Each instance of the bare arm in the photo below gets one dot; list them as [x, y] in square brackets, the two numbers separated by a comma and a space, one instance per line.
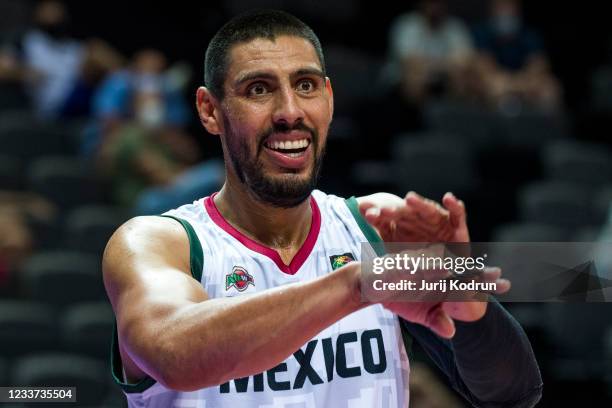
[173, 332]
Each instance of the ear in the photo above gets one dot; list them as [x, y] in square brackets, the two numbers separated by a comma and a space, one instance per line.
[330, 93]
[208, 110]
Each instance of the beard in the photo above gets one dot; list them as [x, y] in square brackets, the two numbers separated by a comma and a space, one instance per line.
[286, 191]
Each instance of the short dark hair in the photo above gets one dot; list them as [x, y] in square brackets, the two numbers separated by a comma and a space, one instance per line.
[267, 24]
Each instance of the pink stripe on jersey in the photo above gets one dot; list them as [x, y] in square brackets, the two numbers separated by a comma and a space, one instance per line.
[299, 258]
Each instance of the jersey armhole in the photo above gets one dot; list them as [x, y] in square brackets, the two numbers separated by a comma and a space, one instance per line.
[196, 263]
[378, 245]
[196, 255]
[371, 235]
[117, 370]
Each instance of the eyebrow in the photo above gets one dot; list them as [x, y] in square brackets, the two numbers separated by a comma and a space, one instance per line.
[249, 76]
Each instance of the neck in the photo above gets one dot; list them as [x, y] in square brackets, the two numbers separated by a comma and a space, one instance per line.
[283, 229]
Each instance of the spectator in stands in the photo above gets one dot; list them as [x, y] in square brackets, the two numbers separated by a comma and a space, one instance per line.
[432, 50]
[18, 239]
[140, 139]
[58, 70]
[512, 61]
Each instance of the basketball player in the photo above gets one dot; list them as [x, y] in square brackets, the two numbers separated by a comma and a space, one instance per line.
[249, 297]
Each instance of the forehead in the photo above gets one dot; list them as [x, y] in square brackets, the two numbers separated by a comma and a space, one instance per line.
[283, 54]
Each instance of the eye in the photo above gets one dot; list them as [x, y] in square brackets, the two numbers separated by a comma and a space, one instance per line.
[306, 85]
[258, 89]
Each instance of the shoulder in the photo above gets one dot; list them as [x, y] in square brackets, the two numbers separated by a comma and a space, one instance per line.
[328, 201]
[148, 229]
[337, 209]
[146, 240]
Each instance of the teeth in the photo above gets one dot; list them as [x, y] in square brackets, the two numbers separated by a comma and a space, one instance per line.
[285, 145]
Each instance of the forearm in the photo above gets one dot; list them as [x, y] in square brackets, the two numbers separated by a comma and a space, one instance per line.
[496, 361]
[490, 361]
[221, 339]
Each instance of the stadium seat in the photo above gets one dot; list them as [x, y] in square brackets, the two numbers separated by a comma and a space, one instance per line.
[602, 204]
[24, 136]
[372, 173]
[88, 375]
[530, 129]
[115, 398]
[469, 124]
[3, 371]
[87, 329]
[432, 167]
[354, 73]
[335, 13]
[65, 181]
[586, 234]
[508, 252]
[529, 232]
[62, 278]
[579, 329]
[556, 203]
[12, 96]
[88, 228]
[11, 173]
[234, 7]
[26, 327]
[600, 85]
[576, 162]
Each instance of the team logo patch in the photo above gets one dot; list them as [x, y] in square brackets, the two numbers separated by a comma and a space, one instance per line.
[239, 279]
[338, 261]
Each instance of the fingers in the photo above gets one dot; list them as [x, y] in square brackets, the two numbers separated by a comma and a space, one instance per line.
[376, 215]
[487, 275]
[434, 218]
[493, 274]
[371, 214]
[502, 286]
[428, 209]
[419, 219]
[364, 206]
[455, 207]
[440, 322]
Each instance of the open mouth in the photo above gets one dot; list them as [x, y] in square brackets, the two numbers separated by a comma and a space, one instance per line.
[290, 148]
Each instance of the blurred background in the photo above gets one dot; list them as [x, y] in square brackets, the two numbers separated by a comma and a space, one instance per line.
[506, 103]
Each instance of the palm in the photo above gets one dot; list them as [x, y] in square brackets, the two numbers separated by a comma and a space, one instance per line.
[416, 219]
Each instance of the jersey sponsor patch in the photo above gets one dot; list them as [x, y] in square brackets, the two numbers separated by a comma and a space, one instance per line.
[338, 261]
[239, 278]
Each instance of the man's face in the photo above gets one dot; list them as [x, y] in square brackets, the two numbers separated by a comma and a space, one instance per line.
[276, 113]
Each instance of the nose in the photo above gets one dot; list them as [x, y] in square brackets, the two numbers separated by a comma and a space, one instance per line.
[288, 110]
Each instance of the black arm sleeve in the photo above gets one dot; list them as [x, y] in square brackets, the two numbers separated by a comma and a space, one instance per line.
[490, 362]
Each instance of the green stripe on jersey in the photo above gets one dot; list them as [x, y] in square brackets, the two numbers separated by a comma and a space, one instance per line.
[196, 256]
[117, 370]
[369, 232]
[379, 247]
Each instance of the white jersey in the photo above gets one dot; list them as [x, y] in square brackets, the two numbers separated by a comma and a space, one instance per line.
[358, 362]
